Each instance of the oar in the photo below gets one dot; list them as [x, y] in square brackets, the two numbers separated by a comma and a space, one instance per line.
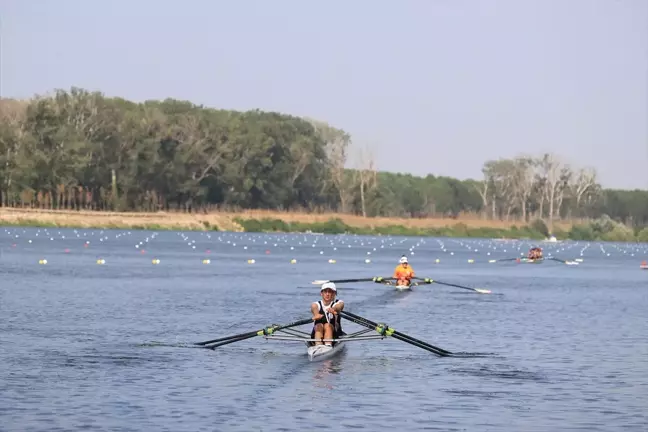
[564, 261]
[371, 279]
[430, 281]
[385, 330]
[242, 335]
[502, 260]
[265, 331]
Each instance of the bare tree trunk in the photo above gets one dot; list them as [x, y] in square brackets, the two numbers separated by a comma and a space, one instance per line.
[368, 179]
[524, 211]
[337, 142]
[483, 193]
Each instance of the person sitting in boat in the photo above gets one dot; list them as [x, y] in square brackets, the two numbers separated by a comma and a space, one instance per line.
[535, 253]
[326, 315]
[403, 273]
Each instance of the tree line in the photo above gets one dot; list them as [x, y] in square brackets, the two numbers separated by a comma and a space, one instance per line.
[75, 149]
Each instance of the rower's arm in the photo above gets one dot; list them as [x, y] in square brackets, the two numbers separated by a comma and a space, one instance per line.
[315, 311]
[396, 272]
[339, 306]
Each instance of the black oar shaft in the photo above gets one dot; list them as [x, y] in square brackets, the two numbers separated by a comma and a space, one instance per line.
[430, 281]
[394, 332]
[247, 335]
[352, 280]
[232, 340]
[252, 333]
[370, 279]
[426, 346]
[388, 331]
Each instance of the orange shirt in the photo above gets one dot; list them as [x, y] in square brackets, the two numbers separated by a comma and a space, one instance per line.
[403, 272]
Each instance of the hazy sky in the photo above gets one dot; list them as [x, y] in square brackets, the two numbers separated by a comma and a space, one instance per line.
[432, 86]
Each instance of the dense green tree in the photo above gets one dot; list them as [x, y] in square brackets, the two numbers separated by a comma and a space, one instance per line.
[75, 149]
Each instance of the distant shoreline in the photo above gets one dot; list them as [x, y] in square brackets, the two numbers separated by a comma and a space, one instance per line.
[264, 221]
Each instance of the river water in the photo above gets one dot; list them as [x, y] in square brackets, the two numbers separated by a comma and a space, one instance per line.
[87, 346]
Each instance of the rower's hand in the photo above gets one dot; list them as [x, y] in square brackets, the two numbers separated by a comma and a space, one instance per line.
[332, 311]
[318, 316]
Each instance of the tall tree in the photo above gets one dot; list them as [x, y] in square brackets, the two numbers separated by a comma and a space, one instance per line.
[368, 179]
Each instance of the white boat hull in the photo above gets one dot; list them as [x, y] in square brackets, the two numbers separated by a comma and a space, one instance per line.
[322, 352]
[402, 287]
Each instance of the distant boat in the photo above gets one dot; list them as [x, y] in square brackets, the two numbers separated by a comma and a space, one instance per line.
[551, 239]
[644, 265]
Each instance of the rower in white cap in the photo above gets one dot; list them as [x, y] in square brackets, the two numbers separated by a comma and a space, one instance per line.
[403, 273]
[326, 315]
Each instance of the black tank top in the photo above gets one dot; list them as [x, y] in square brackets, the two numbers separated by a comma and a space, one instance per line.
[329, 317]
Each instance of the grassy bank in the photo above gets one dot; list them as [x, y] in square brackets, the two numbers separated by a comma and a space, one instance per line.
[338, 226]
[329, 223]
[118, 220]
[268, 221]
[603, 228]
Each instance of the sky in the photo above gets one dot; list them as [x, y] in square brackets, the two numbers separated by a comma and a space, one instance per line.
[429, 87]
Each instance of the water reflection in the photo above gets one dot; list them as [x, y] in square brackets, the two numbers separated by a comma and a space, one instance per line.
[326, 371]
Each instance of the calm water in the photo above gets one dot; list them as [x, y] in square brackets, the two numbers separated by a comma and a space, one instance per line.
[106, 347]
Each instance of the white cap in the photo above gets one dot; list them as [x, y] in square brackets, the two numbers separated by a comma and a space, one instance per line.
[403, 259]
[328, 285]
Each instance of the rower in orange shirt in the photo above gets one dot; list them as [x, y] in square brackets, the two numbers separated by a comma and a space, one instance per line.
[403, 273]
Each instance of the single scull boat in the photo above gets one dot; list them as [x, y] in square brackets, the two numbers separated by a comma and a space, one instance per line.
[315, 352]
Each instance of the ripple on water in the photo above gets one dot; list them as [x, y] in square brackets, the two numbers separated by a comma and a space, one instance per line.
[109, 347]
